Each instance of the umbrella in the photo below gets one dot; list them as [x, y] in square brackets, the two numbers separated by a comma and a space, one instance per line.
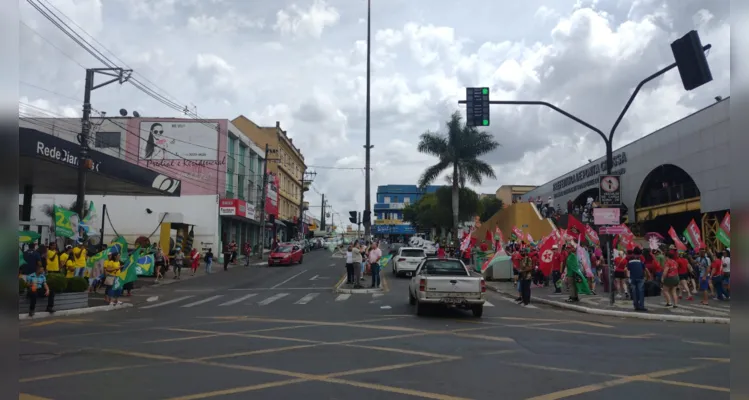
[654, 235]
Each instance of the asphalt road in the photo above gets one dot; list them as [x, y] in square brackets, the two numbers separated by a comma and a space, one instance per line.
[281, 332]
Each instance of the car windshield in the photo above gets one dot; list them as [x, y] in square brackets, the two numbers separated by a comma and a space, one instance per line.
[412, 253]
[283, 249]
[444, 267]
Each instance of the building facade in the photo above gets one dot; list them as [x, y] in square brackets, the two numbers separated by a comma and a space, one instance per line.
[209, 162]
[388, 209]
[286, 169]
[681, 168]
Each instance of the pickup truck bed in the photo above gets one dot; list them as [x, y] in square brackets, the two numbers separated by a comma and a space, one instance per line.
[464, 291]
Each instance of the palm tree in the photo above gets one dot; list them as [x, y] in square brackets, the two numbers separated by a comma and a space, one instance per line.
[460, 150]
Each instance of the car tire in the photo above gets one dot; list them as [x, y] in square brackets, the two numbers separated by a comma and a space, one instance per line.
[411, 298]
[420, 308]
[395, 271]
[478, 311]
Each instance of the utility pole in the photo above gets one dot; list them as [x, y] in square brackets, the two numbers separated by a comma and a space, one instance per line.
[84, 163]
[322, 214]
[307, 178]
[262, 204]
[367, 146]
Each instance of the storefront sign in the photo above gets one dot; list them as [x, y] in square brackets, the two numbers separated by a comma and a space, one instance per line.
[587, 176]
[227, 211]
[397, 206]
[236, 208]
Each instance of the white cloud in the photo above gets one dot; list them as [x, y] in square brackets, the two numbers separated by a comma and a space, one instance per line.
[311, 22]
[584, 56]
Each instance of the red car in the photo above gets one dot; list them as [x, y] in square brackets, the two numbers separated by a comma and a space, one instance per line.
[286, 254]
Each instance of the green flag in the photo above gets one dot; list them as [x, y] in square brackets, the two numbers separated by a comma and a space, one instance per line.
[102, 255]
[28, 236]
[723, 237]
[128, 271]
[21, 261]
[119, 245]
[63, 223]
[91, 213]
[573, 270]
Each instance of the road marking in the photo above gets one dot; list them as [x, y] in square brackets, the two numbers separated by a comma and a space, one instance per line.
[289, 279]
[316, 277]
[307, 298]
[178, 299]
[376, 295]
[235, 301]
[272, 299]
[343, 297]
[26, 396]
[285, 288]
[513, 301]
[721, 360]
[487, 304]
[57, 321]
[332, 265]
[700, 343]
[199, 302]
[84, 372]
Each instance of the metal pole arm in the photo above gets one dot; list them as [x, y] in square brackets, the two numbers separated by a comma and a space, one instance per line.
[637, 90]
[553, 107]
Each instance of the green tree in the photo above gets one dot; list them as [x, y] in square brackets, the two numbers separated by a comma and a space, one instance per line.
[468, 203]
[488, 206]
[458, 151]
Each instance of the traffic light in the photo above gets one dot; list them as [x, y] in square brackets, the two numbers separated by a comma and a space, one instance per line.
[691, 60]
[352, 217]
[366, 218]
[477, 106]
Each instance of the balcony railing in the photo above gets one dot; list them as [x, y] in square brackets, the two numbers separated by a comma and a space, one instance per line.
[669, 194]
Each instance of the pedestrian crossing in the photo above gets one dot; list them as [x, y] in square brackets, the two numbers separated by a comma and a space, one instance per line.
[271, 298]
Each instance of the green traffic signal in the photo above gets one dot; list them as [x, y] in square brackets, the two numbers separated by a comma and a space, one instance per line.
[485, 91]
[486, 122]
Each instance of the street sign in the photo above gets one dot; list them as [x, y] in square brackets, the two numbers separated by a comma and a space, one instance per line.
[610, 190]
[606, 216]
[477, 106]
[612, 230]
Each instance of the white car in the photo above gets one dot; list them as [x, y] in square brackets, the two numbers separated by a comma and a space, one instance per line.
[429, 248]
[406, 260]
[446, 282]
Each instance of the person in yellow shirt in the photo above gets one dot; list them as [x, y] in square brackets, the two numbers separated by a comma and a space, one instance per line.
[79, 258]
[112, 269]
[53, 259]
[67, 262]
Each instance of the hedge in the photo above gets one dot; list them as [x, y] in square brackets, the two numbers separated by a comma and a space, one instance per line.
[59, 284]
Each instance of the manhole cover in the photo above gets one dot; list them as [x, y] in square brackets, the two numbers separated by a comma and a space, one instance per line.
[38, 356]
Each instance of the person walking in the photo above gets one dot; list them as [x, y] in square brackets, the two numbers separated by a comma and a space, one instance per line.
[112, 269]
[637, 274]
[525, 277]
[716, 273]
[571, 272]
[194, 260]
[209, 261]
[556, 268]
[670, 280]
[160, 264]
[179, 262]
[227, 252]
[356, 260]
[703, 263]
[374, 263]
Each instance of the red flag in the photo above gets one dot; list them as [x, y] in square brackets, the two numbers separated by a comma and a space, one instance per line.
[489, 237]
[694, 235]
[546, 254]
[591, 235]
[575, 227]
[517, 233]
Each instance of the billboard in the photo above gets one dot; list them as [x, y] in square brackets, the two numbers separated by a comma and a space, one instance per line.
[271, 200]
[162, 140]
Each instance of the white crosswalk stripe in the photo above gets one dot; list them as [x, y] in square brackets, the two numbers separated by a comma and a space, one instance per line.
[513, 301]
[199, 302]
[343, 297]
[165, 303]
[239, 300]
[307, 298]
[487, 304]
[272, 299]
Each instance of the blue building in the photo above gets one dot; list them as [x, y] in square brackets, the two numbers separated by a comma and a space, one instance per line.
[388, 209]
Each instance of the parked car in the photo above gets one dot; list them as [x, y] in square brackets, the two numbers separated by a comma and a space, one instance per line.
[286, 254]
[406, 260]
[446, 282]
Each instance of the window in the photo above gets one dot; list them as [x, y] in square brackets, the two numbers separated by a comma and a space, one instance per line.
[395, 199]
[413, 253]
[407, 200]
[107, 140]
[444, 267]
[387, 200]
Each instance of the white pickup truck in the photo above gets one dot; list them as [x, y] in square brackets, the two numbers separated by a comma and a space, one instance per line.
[446, 282]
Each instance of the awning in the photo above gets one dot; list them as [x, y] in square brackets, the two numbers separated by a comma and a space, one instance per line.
[50, 164]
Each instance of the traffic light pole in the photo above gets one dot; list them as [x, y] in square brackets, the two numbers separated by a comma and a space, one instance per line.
[262, 205]
[367, 146]
[608, 140]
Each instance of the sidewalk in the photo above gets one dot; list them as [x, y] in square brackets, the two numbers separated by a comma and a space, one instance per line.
[717, 312]
[150, 281]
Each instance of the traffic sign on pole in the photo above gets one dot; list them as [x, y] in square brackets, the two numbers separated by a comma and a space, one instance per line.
[477, 106]
[610, 190]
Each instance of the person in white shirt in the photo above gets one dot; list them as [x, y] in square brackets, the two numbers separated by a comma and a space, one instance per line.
[349, 265]
[374, 259]
[356, 264]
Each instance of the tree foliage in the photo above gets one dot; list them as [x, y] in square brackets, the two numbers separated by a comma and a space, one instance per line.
[434, 210]
[457, 151]
[488, 206]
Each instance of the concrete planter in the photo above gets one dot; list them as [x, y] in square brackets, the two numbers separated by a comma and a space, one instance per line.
[63, 302]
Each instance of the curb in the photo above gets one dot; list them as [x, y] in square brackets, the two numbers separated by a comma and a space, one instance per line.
[340, 283]
[76, 311]
[623, 314]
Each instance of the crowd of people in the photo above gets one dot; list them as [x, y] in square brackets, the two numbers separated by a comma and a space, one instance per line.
[363, 258]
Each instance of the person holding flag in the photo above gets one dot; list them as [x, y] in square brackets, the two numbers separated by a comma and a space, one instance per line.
[111, 269]
[577, 281]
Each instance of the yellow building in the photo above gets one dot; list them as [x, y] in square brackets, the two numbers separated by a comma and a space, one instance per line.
[510, 193]
[289, 168]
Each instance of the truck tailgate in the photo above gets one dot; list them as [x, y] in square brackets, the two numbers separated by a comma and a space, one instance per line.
[453, 286]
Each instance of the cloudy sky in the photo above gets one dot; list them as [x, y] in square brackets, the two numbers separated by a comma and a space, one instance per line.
[302, 62]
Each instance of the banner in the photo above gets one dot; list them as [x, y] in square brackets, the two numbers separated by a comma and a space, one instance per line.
[28, 237]
[591, 236]
[677, 242]
[724, 230]
[66, 223]
[693, 235]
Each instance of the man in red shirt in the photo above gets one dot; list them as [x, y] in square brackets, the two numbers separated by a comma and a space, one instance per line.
[716, 273]
[684, 276]
[556, 268]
